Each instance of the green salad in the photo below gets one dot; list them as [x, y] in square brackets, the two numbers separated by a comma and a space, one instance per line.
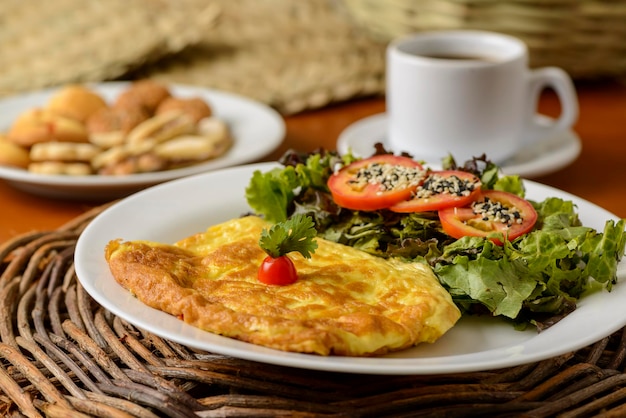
[534, 279]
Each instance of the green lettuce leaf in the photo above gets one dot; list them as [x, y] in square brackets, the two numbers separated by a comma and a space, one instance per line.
[535, 279]
[270, 193]
[511, 184]
[545, 271]
[500, 285]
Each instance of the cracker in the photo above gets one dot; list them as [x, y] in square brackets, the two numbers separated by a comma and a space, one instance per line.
[60, 168]
[63, 151]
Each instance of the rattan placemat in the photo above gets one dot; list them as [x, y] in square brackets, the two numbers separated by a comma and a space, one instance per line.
[62, 355]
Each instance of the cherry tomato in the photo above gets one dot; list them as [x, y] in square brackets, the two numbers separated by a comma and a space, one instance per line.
[471, 221]
[278, 271]
[440, 190]
[375, 183]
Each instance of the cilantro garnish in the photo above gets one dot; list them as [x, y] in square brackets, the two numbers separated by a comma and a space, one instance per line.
[295, 234]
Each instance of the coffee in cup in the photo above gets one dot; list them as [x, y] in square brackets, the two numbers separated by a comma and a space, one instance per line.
[466, 93]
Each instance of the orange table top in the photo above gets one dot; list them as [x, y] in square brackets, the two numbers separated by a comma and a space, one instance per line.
[597, 175]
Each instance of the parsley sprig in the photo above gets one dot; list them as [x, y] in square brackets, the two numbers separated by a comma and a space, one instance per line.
[295, 234]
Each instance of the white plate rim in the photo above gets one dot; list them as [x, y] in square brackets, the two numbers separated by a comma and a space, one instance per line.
[371, 129]
[264, 132]
[598, 314]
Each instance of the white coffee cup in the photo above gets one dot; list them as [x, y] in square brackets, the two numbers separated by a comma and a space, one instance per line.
[465, 93]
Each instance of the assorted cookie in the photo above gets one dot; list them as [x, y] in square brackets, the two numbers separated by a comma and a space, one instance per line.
[41, 125]
[13, 155]
[145, 129]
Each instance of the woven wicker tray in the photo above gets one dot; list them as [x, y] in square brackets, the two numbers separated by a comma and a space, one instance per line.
[63, 355]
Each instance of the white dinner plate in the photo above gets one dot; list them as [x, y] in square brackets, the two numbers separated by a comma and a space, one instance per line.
[172, 211]
[257, 130]
[546, 156]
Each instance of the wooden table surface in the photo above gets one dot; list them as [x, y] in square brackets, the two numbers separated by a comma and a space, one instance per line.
[598, 174]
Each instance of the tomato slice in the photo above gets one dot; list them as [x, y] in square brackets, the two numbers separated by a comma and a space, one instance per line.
[440, 190]
[514, 216]
[375, 183]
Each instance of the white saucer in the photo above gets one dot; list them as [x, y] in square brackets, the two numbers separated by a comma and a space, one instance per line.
[548, 156]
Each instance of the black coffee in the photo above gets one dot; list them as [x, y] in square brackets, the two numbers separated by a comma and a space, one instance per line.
[461, 57]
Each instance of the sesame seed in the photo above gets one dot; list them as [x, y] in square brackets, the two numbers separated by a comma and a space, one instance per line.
[453, 185]
[497, 212]
[387, 176]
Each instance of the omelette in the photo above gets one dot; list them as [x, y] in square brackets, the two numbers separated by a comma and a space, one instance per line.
[345, 301]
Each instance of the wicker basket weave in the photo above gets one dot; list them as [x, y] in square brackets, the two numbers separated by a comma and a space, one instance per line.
[63, 355]
[587, 38]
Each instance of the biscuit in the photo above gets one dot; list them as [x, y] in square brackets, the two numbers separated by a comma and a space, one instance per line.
[145, 94]
[63, 151]
[146, 129]
[195, 107]
[218, 129]
[162, 127]
[106, 140]
[121, 168]
[134, 164]
[109, 157]
[213, 127]
[187, 148]
[149, 162]
[76, 102]
[12, 154]
[109, 126]
[57, 167]
[212, 140]
[41, 125]
[111, 119]
[119, 153]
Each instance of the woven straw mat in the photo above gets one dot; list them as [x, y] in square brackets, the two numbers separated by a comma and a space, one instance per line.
[584, 37]
[290, 54]
[48, 43]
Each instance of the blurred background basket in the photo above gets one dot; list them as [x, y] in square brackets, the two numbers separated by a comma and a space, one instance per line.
[587, 38]
[293, 55]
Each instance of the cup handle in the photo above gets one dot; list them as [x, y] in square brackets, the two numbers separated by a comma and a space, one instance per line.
[563, 86]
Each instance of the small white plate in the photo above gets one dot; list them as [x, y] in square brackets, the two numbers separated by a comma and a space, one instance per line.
[256, 128]
[548, 156]
[175, 210]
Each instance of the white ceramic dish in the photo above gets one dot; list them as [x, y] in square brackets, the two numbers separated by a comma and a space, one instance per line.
[174, 210]
[547, 156]
[257, 130]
